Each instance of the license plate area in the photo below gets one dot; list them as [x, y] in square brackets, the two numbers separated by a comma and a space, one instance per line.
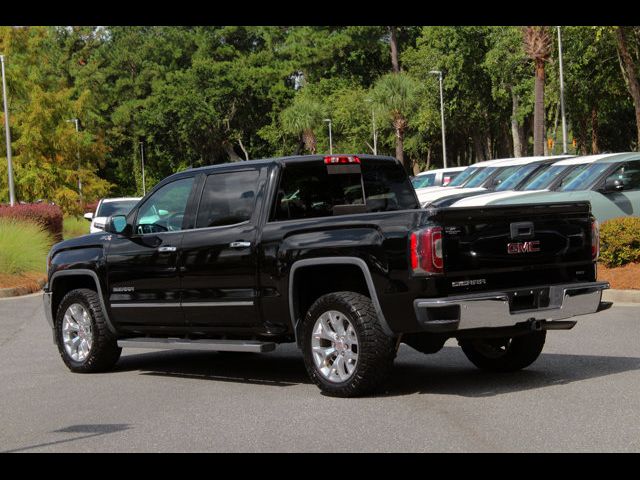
[528, 299]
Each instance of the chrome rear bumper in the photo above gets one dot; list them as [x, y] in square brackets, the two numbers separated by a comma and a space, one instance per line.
[494, 309]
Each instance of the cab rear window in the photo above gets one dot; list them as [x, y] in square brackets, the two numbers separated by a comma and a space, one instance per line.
[308, 190]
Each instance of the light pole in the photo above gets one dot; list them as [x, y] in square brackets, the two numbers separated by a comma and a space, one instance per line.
[564, 118]
[75, 121]
[375, 132]
[444, 143]
[328, 120]
[144, 188]
[12, 193]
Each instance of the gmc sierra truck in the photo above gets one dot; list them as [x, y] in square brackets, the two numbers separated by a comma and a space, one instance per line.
[333, 253]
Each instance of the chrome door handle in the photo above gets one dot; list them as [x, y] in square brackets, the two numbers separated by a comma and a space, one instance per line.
[167, 249]
[240, 244]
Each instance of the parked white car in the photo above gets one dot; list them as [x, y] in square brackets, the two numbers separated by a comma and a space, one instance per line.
[550, 178]
[440, 177]
[107, 207]
[487, 176]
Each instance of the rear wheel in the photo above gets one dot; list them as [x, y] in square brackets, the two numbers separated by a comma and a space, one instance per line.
[346, 352]
[506, 354]
[84, 341]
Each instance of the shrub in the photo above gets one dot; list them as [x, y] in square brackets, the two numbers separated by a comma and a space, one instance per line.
[23, 247]
[620, 241]
[74, 227]
[48, 216]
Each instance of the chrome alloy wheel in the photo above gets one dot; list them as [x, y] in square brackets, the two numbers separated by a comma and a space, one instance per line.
[334, 346]
[76, 332]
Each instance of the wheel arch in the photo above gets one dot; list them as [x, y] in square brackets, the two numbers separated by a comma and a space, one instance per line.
[64, 281]
[363, 284]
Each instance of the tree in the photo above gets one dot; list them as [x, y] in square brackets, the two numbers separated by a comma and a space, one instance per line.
[537, 45]
[396, 93]
[302, 118]
[630, 64]
[511, 84]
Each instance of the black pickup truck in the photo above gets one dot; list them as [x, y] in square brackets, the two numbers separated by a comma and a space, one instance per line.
[333, 253]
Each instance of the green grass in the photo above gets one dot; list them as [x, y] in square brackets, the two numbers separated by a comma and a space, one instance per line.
[23, 247]
[74, 227]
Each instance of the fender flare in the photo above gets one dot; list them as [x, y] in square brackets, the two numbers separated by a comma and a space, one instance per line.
[336, 261]
[94, 276]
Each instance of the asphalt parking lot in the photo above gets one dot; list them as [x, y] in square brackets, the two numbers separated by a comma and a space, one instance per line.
[583, 394]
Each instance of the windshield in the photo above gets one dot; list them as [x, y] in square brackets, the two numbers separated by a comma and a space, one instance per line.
[464, 176]
[583, 177]
[478, 179]
[422, 181]
[544, 177]
[514, 177]
[122, 207]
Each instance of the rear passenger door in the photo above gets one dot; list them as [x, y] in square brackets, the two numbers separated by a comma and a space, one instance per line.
[218, 266]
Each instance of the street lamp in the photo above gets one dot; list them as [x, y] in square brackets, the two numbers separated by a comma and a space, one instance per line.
[564, 118]
[328, 120]
[12, 193]
[444, 143]
[373, 124]
[75, 120]
[144, 188]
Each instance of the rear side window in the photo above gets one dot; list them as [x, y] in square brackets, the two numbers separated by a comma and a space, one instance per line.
[227, 199]
[307, 190]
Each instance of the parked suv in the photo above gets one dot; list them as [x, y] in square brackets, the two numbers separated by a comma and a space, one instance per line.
[333, 253]
[107, 207]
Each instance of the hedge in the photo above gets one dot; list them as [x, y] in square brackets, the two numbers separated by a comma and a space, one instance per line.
[620, 241]
[48, 216]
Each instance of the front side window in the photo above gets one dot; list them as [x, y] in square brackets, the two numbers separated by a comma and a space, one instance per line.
[478, 179]
[583, 178]
[228, 198]
[509, 179]
[463, 176]
[423, 181]
[543, 178]
[164, 210]
[629, 173]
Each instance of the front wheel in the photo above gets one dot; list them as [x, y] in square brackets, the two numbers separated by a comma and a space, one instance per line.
[84, 341]
[346, 352]
[506, 354]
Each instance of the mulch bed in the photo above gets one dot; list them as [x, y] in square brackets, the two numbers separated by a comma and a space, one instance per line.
[28, 281]
[621, 278]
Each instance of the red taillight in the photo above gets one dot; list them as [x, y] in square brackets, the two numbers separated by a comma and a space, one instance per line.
[595, 239]
[426, 251]
[330, 160]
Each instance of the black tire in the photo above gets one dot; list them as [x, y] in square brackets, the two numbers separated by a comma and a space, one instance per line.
[104, 351]
[504, 354]
[376, 350]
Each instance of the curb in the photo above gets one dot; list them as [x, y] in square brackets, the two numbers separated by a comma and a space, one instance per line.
[23, 290]
[621, 296]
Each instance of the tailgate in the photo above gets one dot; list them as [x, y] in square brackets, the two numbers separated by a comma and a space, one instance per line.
[515, 238]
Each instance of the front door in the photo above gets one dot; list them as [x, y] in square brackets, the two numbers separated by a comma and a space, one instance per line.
[142, 268]
[219, 263]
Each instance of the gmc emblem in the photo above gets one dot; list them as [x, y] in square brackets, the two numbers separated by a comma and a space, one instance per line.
[523, 247]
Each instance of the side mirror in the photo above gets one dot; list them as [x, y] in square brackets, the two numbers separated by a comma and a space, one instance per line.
[88, 216]
[116, 224]
[613, 185]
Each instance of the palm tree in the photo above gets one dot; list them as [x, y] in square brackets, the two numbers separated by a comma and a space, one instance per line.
[537, 46]
[396, 93]
[301, 118]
